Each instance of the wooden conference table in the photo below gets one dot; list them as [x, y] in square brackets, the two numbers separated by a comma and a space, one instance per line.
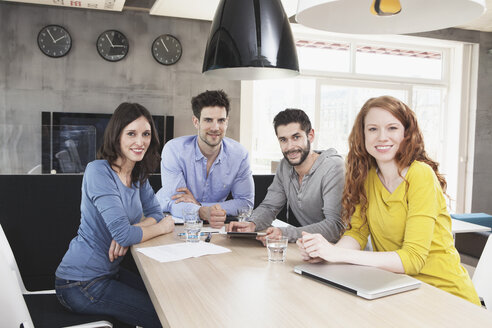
[242, 289]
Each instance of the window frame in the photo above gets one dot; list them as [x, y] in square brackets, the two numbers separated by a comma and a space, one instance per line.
[453, 53]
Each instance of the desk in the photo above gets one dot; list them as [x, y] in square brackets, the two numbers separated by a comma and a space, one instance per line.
[459, 226]
[242, 289]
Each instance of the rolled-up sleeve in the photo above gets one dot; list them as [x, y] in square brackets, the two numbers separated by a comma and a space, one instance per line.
[172, 178]
[242, 189]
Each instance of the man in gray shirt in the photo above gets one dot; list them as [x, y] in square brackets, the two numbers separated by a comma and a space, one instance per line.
[309, 182]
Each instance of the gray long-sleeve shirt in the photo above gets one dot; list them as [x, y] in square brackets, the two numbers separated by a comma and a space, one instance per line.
[316, 202]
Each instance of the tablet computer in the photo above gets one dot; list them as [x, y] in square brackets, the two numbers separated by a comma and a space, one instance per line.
[245, 234]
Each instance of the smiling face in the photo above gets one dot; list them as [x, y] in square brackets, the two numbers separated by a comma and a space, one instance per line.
[135, 140]
[211, 126]
[294, 143]
[383, 135]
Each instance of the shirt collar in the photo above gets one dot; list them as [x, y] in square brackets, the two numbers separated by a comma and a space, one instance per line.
[199, 156]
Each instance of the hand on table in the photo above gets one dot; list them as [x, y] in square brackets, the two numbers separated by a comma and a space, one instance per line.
[315, 248]
[270, 232]
[167, 224]
[214, 214]
[241, 226]
[185, 197]
[116, 250]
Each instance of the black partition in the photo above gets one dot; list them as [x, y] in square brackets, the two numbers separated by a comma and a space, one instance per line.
[71, 140]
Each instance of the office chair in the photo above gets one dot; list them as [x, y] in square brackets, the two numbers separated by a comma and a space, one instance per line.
[69, 159]
[12, 264]
[482, 278]
[34, 309]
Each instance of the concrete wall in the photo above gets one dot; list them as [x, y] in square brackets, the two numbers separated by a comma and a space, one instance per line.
[82, 81]
[30, 82]
[482, 171]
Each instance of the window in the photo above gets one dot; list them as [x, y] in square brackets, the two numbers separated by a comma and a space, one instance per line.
[391, 61]
[338, 76]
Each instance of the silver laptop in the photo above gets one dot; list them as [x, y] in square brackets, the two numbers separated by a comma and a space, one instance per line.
[363, 281]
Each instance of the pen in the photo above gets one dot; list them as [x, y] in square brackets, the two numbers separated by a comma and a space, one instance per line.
[201, 233]
[208, 237]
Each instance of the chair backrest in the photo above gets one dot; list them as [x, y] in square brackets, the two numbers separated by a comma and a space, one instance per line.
[8, 255]
[482, 278]
[13, 308]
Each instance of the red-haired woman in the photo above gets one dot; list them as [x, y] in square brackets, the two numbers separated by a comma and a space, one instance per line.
[394, 193]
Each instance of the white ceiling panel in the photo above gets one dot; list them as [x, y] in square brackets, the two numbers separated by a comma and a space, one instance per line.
[112, 5]
[205, 9]
[201, 9]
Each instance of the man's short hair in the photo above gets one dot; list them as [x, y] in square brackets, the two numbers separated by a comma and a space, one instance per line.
[216, 98]
[292, 115]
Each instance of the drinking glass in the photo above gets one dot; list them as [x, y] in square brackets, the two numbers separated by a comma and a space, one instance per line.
[277, 248]
[244, 213]
[192, 225]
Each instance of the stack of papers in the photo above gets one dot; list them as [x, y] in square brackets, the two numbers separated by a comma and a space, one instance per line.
[181, 251]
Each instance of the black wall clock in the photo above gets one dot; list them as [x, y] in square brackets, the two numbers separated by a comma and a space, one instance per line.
[54, 41]
[166, 49]
[112, 45]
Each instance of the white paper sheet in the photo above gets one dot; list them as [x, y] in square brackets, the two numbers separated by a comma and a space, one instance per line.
[213, 230]
[181, 251]
[280, 224]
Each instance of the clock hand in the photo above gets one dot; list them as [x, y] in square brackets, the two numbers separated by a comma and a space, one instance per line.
[52, 38]
[118, 46]
[167, 50]
[111, 43]
[60, 38]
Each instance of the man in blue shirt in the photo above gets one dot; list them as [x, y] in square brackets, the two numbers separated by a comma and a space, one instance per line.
[200, 171]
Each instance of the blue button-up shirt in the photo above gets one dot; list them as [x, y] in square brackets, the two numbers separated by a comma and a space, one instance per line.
[183, 165]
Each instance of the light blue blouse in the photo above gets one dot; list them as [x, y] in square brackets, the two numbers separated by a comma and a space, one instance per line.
[108, 211]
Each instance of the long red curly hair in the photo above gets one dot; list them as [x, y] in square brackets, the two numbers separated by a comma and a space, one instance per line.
[359, 161]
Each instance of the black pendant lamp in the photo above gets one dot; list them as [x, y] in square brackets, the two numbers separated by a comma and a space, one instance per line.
[250, 40]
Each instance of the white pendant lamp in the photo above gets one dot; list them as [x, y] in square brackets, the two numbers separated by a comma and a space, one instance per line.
[361, 16]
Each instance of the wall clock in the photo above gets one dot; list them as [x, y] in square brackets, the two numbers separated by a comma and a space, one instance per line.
[166, 49]
[54, 41]
[112, 45]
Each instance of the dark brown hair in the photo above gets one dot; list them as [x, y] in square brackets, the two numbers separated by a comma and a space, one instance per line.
[110, 149]
[359, 161]
[217, 98]
[292, 115]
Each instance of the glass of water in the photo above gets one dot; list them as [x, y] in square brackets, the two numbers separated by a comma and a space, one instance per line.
[244, 213]
[192, 225]
[277, 248]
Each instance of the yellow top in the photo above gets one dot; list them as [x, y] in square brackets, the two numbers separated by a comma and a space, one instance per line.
[414, 222]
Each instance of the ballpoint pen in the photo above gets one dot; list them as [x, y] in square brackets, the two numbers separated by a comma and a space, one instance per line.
[209, 237]
[201, 233]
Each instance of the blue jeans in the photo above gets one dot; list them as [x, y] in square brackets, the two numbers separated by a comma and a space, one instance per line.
[122, 296]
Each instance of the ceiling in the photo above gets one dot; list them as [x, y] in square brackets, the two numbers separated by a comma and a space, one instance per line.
[205, 9]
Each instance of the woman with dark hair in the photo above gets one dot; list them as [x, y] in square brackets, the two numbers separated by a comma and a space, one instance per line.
[118, 209]
[394, 193]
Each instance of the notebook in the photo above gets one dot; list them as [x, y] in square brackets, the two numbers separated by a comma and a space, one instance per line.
[363, 281]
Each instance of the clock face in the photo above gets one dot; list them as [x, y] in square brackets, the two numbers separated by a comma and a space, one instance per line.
[54, 41]
[166, 49]
[112, 45]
